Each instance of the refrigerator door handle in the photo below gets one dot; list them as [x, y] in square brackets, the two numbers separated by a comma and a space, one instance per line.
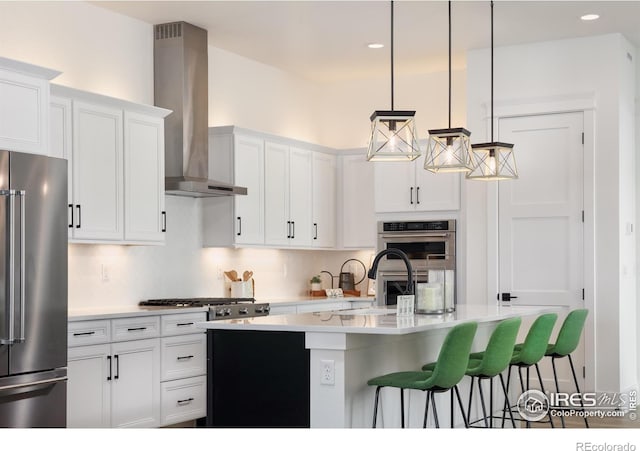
[53, 380]
[10, 315]
[23, 254]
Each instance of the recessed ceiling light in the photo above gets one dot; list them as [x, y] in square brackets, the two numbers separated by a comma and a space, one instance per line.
[590, 17]
[375, 45]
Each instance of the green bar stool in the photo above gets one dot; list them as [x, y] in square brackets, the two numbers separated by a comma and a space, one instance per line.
[491, 363]
[447, 372]
[567, 342]
[529, 353]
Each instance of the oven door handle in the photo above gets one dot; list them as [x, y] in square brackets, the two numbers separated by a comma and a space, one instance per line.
[412, 235]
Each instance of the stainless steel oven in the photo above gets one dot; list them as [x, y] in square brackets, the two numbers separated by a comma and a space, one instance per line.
[431, 248]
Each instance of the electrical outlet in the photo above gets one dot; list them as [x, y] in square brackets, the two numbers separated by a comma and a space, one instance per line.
[219, 273]
[327, 372]
[104, 273]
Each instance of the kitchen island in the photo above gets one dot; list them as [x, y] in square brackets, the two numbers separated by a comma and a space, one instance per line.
[284, 367]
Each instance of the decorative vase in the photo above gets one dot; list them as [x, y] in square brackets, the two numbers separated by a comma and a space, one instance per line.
[316, 287]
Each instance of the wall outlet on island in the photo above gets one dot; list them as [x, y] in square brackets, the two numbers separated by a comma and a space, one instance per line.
[327, 372]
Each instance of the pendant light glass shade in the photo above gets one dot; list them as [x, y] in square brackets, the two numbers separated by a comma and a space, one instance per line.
[493, 161]
[393, 133]
[448, 150]
[393, 136]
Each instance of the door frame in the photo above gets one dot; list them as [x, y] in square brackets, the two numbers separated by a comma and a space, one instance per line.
[586, 104]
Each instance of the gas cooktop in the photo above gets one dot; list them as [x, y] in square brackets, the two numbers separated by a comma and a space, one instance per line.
[195, 302]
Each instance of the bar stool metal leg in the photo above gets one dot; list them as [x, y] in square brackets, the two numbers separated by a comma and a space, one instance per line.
[375, 406]
[555, 379]
[506, 397]
[575, 379]
[464, 417]
[435, 412]
[426, 410]
[402, 407]
[543, 391]
[484, 409]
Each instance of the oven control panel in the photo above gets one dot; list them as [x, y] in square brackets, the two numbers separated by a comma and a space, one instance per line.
[418, 226]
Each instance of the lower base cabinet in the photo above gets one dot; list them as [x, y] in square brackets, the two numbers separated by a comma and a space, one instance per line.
[117, 382]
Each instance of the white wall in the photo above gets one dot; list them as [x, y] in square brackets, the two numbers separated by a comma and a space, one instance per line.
[95, 49]
[552, 70]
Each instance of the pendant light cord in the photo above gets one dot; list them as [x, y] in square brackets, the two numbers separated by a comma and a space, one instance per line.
[492, 71]
[391, 55]
[449, 63]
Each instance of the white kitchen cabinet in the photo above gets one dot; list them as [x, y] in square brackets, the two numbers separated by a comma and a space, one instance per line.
[144, 210]
[408, 187]
[184, 400]
[235, 220]
[115, 151]
[324, 200]
[89, 387]
[97, 172]
[288, 195]
[183, 356]
[24, 106]
[358, 218]
[135, 394]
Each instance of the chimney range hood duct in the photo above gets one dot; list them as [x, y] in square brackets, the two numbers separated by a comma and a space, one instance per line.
[181, 84]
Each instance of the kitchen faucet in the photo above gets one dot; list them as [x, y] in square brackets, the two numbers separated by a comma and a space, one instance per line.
[374, 266]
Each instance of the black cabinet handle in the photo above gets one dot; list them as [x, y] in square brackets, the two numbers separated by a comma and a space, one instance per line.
[110, 372]
[184, 401]
[79, 334]
[315, 226]
[288, 229]
[417, 195]
[79, 216]
[293, 227]
[411, 196]
[164, 221]
[239, 218]
[506, 297]
[71, 208]
[117, 357]
[184, 357]
[184, 324]
[133, 329]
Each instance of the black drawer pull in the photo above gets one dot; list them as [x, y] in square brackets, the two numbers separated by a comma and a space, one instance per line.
[78, 334]
[184, 324]
[184, 401]
[110, 368]
[117, 358]
[185, 357]
[79, 216]
[164, 221]
[71, 208]
[133, 329]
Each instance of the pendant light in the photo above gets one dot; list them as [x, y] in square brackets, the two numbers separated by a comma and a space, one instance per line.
[448, 149]
[393, 133]
[492, 160]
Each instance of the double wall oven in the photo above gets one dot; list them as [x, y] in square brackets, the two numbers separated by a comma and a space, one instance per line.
[431, 248]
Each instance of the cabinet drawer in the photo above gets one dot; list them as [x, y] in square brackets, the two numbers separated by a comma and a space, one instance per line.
[135, 328]
[183, 356]
[82, 333]
[283, 310]
[182, 323]
[183, 400]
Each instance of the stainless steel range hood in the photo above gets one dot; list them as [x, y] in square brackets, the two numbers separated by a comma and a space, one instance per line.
[181, 84]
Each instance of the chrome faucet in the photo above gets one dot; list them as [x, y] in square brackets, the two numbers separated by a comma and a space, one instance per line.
[374, 266]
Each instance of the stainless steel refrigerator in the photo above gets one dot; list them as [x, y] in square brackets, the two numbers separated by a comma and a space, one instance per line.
[33, 290]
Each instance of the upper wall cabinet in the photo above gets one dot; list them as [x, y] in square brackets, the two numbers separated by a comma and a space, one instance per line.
[291, 192]
[236, 158]
[115, 151]
[358, 217]
[24, 106]
[408, 187]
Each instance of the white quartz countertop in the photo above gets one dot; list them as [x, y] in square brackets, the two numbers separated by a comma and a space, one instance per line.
[376, 320]
[108, 312]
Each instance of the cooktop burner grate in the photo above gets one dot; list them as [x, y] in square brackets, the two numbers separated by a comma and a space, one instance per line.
[195, 302]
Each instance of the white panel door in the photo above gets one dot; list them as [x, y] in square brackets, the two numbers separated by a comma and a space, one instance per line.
[89, 388]
[300, 197]
[97, 172]
[144, 178]
[277, 228]
[135, 390]
[540, 214]
[324, 200]
[249, 172]
[394, 189]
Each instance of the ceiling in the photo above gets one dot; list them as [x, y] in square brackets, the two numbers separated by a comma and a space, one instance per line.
[327, 40]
